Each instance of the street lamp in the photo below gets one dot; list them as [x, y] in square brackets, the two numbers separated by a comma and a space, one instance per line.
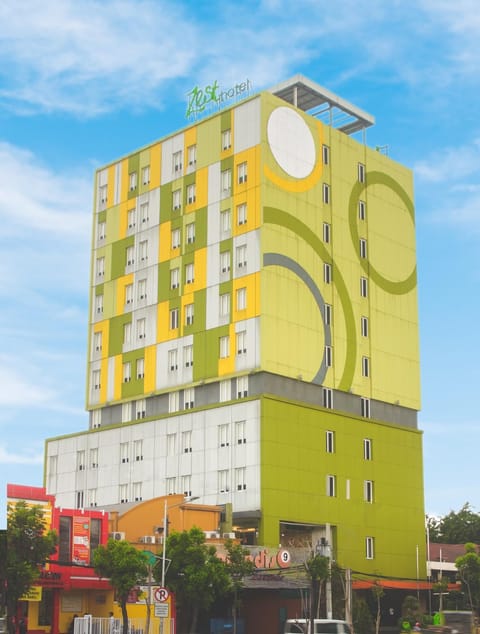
[165, 521]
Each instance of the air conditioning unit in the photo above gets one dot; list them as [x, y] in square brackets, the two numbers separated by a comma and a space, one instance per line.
[211, 534]
[228, 535]
[118, 536]
[148, 539]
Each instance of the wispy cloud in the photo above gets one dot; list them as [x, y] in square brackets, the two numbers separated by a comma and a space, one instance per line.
[7, 456]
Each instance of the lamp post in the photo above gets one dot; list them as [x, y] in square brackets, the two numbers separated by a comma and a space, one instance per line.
[165, 524]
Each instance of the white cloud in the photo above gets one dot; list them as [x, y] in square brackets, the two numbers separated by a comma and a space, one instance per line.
[450, 164]
[7, 456]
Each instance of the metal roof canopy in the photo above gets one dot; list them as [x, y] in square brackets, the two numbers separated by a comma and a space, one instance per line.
[323, 104]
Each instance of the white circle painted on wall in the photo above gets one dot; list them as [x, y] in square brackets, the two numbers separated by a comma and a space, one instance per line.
[291, 142]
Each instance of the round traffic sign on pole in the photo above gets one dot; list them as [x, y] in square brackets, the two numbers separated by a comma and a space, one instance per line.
[161, 595]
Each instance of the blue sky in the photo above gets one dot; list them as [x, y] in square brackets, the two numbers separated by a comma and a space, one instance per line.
[84, 82]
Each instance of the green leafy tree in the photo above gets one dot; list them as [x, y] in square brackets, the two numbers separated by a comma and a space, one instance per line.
[238, 567]
[378, 593]
[317, 567]
[196, 575]
[468, 566]
[125, 566]
[456, 527]
[411, 610]
[29, 545]
[362, 617]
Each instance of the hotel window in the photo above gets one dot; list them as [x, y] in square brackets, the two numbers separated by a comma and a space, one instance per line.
[171, 486]
[327, 273]
[127, 333]
[225, 261]
[127, 372]
[144, 213]
[242, 386]
[174, 319]
[171, 444]
[241, 338]
[326, 193]
[132, 179]
[361, 173]
[124, 458]
[79, 499]
[225, 305]
[131, 218]
[362, 209]
[130, 255]
[241, 298]
[369, 547]
[365, 366]
[138, 450]
[174, 278]
[223, 481]
[146, 174]
[226, 182]
[140, 368]
[223, 435]
[189, 314]
[240, 432]
[96, 379]
[191, 194]
[347, 489]
[126, 412]
[327, 314]
[241, 256]
[187, 485]
[140, 408]
[137, 491]
[328, 356]
[142, 289]
[129, 294]
[326, 232]
[327, 397]
[188, 356]
[81, 460]
[242, 214]
[189, 398]
[102, 192]
[177, 161]
[367, 449]
[364, 326]
[100, 267]
[363, 248]
[141, 328]
[331, 486]
[365, 407]
[368, 491]
[173, 360]
[242, 174]
[226, 139]
[175, 238]
[192, 155]
[225, 390]
[96, 418]
[363, 287]
[123, 493]
[187, 441]
[173, 402]
[226, 221]
[189, 273]
[325, 154]
[176, 199]
[143, 250]
[92, 497]
[224, 347]
[330, 441]
[190, 232]
[240, 479]
[99, 304]
[101, 230]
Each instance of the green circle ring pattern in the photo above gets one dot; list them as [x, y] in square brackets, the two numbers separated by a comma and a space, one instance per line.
[379, 178]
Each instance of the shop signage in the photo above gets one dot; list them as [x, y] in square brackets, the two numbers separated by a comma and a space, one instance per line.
[265, 557]
[199, 99]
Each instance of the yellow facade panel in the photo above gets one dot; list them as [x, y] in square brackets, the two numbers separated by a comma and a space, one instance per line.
[117, 386]
[155, 165]
[104, 380]
[190, 138]
[227, 365]
[164, 332]
[150, 369]
[202, 188]
[110, 185]
[121, 283]
[200, 263]
[166, 251]
[251, 284]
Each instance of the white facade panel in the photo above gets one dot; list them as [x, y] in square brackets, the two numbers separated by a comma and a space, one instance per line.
[214, 178]
[118, 184]
[169, 147]
[251, 241]
[246, 125]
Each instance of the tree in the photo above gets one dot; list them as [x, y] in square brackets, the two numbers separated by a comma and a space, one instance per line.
[378, 593]
[238, 567]
[318, 571]
[29, 544]
[456, 527]
[125, 566]
[196, 575]
[468, 566]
